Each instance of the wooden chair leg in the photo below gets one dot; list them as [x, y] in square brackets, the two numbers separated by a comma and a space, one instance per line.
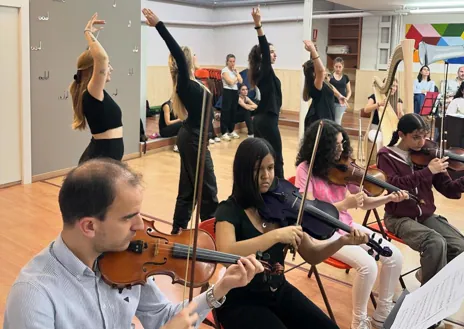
[324, 296]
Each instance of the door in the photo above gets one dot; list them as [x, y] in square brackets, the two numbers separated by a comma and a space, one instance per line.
[10, 109]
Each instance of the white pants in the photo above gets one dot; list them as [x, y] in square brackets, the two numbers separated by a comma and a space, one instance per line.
[366, 274]
[371, 136]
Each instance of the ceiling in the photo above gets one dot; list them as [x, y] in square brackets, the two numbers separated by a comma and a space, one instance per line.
[394, 4]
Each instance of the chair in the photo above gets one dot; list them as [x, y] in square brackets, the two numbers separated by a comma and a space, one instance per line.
[332, 262]
[211, 319]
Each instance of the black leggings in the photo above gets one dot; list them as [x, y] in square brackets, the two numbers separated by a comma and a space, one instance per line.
[228, 109]
[287, 308]
[187, 142]
[103, 148]
[171, 130]
[266, 125]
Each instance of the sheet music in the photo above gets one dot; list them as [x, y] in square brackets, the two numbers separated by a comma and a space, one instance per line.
[439, 298]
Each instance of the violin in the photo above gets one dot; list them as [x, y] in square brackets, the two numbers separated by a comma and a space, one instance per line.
[151, 252]
[320, 219]
[346, 171]
[431, 150]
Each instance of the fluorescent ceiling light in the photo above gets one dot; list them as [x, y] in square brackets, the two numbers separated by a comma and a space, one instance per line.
[433, 5]
[436, 10]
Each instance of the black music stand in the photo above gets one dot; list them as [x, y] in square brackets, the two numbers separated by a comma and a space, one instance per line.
[391, 317]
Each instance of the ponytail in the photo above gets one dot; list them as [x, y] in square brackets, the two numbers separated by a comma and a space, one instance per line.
[408, 124]
[308, 70]
[395, 138]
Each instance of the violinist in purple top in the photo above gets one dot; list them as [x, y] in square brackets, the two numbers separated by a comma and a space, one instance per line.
[241, 230]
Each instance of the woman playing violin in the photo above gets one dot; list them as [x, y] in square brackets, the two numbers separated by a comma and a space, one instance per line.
[421, 229]
[275, 304]
[334, 144]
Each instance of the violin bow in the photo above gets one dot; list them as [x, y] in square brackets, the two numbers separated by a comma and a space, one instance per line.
[333, 89]
[308, 177]
[198, 191]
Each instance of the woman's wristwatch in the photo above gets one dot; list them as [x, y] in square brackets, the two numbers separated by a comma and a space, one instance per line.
[211, 300]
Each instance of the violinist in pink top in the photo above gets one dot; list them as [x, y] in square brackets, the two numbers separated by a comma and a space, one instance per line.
[333, 145]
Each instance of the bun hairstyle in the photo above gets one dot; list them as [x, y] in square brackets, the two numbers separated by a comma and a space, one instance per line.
[407, 124]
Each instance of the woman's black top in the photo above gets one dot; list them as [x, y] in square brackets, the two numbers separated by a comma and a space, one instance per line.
[322, 105]
[268, 83]
[162, 122]
[375, 118]
[340, 85]
[190, 91]
[101, 115]
[230, 211]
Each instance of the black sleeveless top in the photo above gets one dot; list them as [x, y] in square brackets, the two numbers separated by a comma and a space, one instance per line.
[162, 122]
[101, 115]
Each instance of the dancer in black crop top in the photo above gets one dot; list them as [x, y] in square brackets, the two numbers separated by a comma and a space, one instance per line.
[92, 104]
[261, 74]
[187, 102]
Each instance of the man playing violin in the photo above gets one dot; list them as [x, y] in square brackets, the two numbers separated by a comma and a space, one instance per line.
[417, 224]
[334, 145]
[62, 286]
[241, 230]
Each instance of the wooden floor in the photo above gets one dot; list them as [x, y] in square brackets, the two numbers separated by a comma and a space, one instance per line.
[30, 219]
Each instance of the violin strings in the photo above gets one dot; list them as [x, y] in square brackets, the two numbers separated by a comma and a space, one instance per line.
[208, 253]
[220, 256]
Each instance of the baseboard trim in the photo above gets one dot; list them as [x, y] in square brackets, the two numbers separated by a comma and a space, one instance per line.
[62, 172]
[10, 184]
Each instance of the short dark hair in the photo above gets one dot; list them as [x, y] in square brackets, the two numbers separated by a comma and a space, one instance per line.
[245, 186]
[90, 189]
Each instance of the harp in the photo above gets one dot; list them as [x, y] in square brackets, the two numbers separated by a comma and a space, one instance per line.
[382, 90]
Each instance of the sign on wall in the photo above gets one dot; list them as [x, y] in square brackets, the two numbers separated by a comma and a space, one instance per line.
[437, 35]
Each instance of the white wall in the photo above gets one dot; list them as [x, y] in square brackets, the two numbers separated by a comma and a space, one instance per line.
[286, 37]
[200, 39]
[369, 40]
[212, 45]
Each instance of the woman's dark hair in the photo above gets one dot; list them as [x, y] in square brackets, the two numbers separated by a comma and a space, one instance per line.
[308, 70]
[254, 63]
[460, 92]
[407, 124]
[327, 147]
[245, 187]
[419, 76]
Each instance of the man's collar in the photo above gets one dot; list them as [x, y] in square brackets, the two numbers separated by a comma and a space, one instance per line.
[69, 260]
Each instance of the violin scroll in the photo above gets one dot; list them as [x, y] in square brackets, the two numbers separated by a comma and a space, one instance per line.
[377, 247]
